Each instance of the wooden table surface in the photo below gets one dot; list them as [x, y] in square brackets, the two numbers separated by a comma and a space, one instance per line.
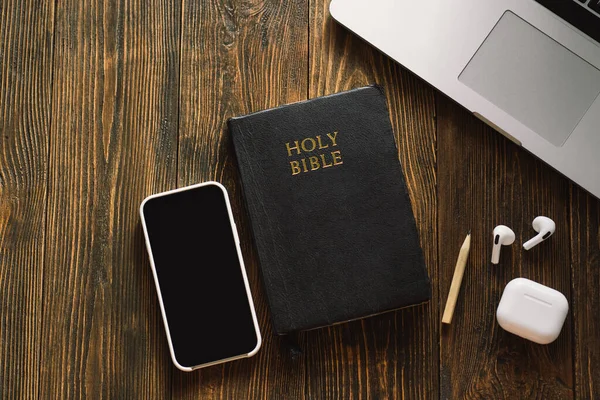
[105, 102]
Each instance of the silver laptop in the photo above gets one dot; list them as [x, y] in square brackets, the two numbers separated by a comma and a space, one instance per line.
[529, 68]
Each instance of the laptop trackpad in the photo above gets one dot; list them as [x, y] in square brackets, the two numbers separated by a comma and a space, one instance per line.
[533, 78]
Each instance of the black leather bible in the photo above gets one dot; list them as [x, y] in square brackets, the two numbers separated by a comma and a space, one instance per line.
[330, 214]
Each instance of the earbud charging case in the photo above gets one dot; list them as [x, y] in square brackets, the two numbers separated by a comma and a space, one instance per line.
[532, 311]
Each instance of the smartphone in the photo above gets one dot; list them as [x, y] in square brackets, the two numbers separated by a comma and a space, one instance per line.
[200, 278]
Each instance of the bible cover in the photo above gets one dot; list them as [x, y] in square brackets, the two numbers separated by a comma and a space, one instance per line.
[330, 214]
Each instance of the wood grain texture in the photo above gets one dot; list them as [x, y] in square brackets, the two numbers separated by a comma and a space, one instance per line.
[239, 57]
[105, 102]
[25, 113]
[394, 355]
[485, 180]
[113, 141]
[585, 278]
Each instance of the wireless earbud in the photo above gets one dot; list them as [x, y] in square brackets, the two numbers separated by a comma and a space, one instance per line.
[503, 236]
[545, 228]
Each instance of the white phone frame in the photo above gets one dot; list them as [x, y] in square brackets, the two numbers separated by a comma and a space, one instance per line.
[242, 267]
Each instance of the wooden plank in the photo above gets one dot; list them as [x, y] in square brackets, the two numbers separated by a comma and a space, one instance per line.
[485, 180]
[394, 355]
[585, 278]
[113, 142]
[25, 112]
[238, 58]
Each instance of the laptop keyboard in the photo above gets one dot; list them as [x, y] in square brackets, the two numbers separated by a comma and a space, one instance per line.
[582, 14]
[593, 5]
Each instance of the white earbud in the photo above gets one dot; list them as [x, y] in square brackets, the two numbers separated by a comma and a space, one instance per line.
[503, 236]
[545, 228]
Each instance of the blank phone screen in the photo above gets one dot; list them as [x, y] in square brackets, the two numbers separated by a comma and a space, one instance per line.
[201, 283]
